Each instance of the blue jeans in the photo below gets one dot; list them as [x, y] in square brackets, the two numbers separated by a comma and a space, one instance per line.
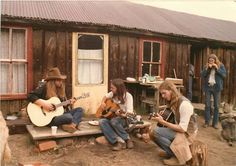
[190, 88]
[216, 95]
[73, 115]
[163, 137]
[114, 128]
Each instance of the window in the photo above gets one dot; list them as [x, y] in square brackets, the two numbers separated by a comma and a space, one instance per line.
[90, 59]
[151, 58]
[13, 61]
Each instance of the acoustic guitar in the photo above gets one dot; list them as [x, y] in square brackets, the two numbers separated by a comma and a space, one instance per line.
[41, 117]
[110, 109]
[167, 115]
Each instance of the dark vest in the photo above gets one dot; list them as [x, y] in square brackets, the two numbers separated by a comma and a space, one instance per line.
[192, 126]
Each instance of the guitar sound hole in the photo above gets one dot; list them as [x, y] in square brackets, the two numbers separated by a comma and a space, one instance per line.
[106, 111]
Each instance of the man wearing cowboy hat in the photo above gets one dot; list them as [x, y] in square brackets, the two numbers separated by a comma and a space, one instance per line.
[54, 87]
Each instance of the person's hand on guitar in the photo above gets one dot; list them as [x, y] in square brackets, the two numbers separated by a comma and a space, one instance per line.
[158, 118]
[72, 100]
[162, 112]
[45, 105]
[119, 112]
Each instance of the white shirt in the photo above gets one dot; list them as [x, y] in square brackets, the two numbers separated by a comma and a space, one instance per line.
[127, 106]
[185, 110]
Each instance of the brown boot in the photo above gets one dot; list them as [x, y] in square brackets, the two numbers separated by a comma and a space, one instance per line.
[69, 128]
[130, 144]
[172, 161]
[119, 146]
[162, 153]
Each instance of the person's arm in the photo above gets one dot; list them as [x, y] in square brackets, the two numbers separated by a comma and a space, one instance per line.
[205, 71]
[45, 105]
[37, 97]
[172, 126]
[186, 110]
[221, 71]
[129, 104]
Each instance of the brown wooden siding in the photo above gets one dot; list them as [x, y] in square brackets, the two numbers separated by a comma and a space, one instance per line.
[50, 49]
[176, 57]
[54, 48]
[123, 57]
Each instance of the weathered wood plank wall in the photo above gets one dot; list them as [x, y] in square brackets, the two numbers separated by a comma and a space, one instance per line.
[176, 57]
[123, 57]
[50, 49]
[54, 48]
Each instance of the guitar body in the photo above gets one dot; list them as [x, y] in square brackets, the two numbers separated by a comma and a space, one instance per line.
[168, 116]
[108, 111]
[41, 117]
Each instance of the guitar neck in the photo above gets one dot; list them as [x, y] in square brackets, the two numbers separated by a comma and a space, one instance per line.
[64, 103]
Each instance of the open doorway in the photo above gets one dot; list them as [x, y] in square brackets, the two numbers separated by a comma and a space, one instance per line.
[196, 53]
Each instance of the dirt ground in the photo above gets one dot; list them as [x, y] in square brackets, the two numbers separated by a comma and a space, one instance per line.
[85, 152]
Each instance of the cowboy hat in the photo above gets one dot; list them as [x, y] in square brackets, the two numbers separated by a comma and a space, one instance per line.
[54, 73]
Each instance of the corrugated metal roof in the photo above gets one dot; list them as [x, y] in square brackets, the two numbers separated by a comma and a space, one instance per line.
[124, 14]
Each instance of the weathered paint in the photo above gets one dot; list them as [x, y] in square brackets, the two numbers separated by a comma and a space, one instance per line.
[96, 92]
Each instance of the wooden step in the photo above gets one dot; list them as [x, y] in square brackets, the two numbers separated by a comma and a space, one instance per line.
[18, 126]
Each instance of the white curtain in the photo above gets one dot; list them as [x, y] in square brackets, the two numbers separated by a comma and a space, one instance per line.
[13, 67]
[19, 78]
[90, 66]
[4, 69]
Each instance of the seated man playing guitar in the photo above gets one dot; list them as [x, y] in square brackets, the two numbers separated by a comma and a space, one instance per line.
[54, 87]
[113, 126]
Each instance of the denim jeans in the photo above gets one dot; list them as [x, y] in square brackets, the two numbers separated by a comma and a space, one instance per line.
[114, 128]
[216, 94]
[163, 137]
[73, 115]
[190, 88]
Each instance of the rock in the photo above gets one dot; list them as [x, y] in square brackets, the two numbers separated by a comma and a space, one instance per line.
[102, 140]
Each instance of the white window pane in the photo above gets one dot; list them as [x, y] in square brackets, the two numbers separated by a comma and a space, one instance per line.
[5, 75]
[90, 54]
[18, 44]
[19, 78]
[90, 72]
[4, 44]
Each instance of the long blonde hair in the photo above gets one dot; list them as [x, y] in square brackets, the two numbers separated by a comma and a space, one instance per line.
[175, 96]
[213, 56]
[53, 91]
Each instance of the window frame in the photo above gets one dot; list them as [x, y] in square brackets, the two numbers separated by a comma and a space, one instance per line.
[160, 63]
[27, 61]
[77, 83]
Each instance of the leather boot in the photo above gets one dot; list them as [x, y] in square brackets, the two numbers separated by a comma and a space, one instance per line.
[162, 153]
[173, 161]
[119, 146]
[69, 128]
[130, 144]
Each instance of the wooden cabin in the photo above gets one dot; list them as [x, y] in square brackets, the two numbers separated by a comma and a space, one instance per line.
[93, 42]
